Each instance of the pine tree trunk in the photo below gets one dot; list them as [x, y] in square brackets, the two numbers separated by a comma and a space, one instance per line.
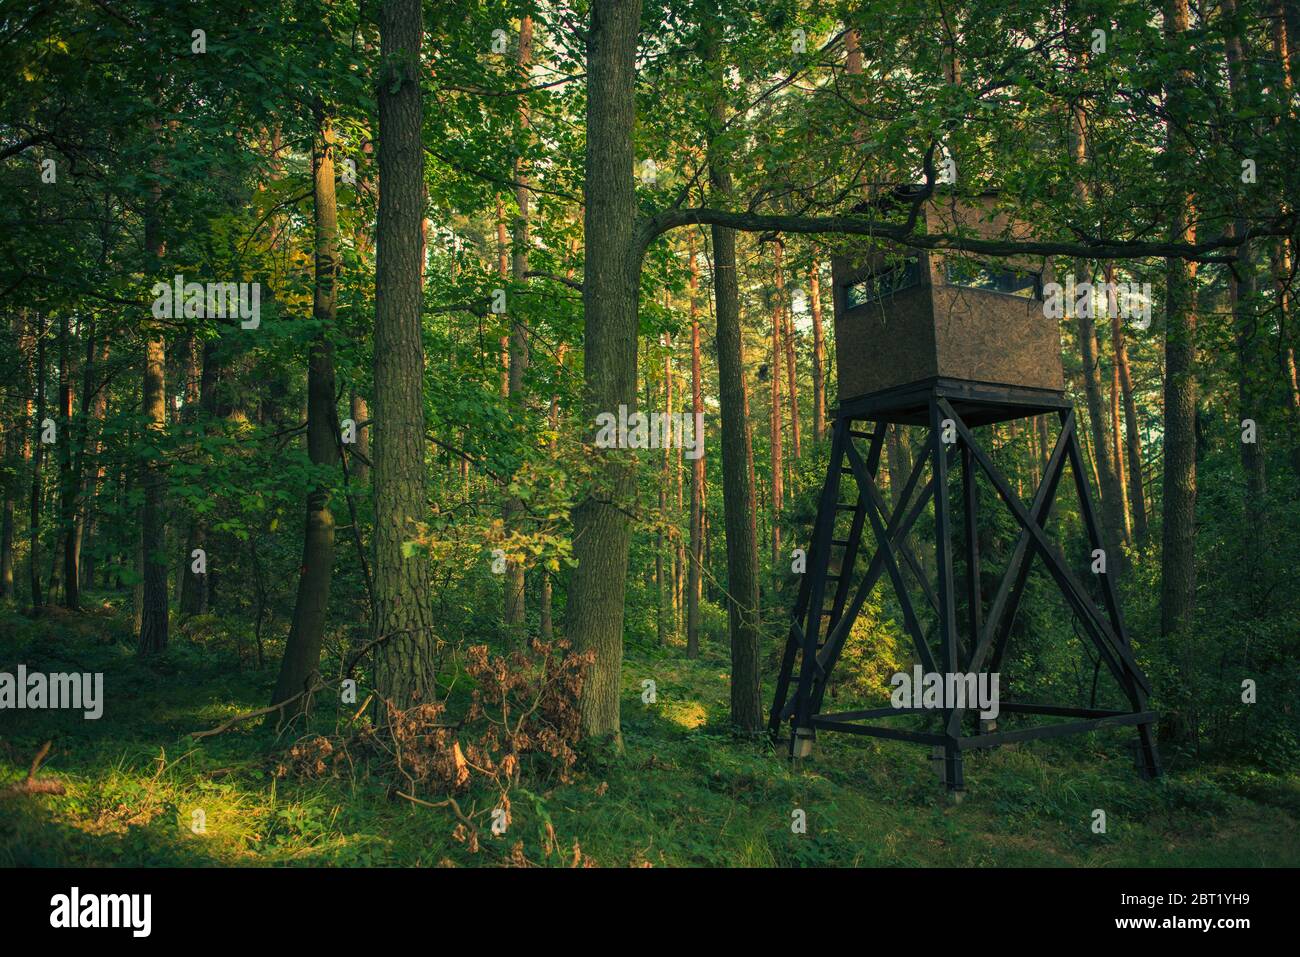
[738, 494]
[1178, 570]
[69, 479]
[93, 466]
[406, 658]
[774, 417]
[152, 554]
[514, 611]
[1132, 431]
[18, 449]
[196, 588]
[661, 584]
[1241, 299]
[153, 527]
[697, 479]
[1281, 17]
[546, 591]
[12, 443]
[302, 650]
[38, 459]
[1117, 448]
[787, 334]
[819, 352]
[1104, 457]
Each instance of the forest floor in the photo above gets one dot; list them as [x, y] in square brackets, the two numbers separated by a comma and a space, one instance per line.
[684, 793]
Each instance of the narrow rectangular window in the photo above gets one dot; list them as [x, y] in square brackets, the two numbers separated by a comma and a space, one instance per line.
[884, 282]
[972, 274]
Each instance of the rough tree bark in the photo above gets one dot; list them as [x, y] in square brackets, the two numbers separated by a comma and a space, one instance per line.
[695, 566]
[1282, 41]
[819, 352]
[1241, 299]
[95, 406]
[1178, 566]
[791, 369]
[738, 493]
[18, 450]
[152, 635]
[38, 459]
[518, 350]
[1104, 459]
[774, 413]
[601, 530]
[1136, 494]
[302, 649]
[405, 658]
[69, 478]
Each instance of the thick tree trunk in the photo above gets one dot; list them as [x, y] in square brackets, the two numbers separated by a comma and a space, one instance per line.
[406, 658]
[1281, 27]
[38, 458]
[14, 427]
[153, 607]
[774, 416]
[18, 451]
[545, 598]
[195, 588]
[153, 527]
[661, 585]
[1178, 570]
[302, 649]
[1251, 391]
[694, 568]
[738, 493]
[514, 611]
[69, 479]
[601, 532]
[1116, 430]
[190, 377]
[95, 404]
[1104, 458]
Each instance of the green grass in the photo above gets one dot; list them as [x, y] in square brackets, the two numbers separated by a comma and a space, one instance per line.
[684, 792]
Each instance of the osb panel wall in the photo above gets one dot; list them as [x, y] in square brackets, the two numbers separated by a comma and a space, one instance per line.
[977, 218]
[985, 336]
[885, 343]
[940, 330]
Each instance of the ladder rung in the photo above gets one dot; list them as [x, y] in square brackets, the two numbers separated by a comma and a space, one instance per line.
[846, 469]
[842, 542]
[847, 507]
[860, 435]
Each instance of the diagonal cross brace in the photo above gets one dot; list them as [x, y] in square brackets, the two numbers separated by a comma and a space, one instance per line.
[886, 550]
[1070, 586]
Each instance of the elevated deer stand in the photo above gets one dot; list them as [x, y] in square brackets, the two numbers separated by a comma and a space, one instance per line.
[960, 325]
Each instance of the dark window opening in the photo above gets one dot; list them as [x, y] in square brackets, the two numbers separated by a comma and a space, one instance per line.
[891, 278]
[971, 274]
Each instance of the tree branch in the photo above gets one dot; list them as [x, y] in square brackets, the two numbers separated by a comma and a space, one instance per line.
[669, 219]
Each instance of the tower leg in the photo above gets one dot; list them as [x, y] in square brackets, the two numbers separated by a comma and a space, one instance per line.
[950, 658]
[1148, 758]
[804, 640]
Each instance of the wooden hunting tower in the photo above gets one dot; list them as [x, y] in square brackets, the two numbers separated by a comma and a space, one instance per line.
[948, 342]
